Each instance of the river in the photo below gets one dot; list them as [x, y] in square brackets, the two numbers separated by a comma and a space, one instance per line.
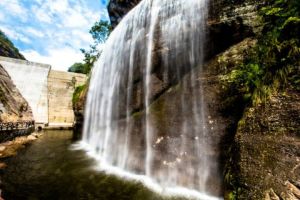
[50, 169]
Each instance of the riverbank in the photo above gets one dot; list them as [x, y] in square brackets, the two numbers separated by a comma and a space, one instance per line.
[10, 148]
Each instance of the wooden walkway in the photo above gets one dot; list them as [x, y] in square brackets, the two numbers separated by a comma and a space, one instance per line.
[16, 125]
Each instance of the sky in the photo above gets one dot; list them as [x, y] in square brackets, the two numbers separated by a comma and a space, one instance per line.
[51, 31]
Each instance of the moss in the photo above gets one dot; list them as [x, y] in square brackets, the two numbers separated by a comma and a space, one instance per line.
[137, 114]
[78, 93]
[158, 111]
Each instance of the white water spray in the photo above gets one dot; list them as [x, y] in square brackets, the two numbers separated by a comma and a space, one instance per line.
[157, 43]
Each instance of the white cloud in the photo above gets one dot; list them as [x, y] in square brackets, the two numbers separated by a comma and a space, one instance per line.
[2, 17]
[14, 8]
[74, 19]
[59, 26]
[59, 59]
[41, 15]
[34, 32]
[58, 5]
[71, 14]
[14, 35]
[83, 36]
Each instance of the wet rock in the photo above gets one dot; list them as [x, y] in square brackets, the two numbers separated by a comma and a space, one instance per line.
[293, 189]
[31, 138]
[288, 196]
[11, 147]
[2, 165]
[271, 195]
[2, 148]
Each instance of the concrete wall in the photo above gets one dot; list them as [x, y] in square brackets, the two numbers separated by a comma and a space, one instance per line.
[31, 80]
[61, 87]
[48, 92]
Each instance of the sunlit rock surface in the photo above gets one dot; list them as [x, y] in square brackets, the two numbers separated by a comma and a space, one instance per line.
[31, 80]
[267, 147]
[13, 107]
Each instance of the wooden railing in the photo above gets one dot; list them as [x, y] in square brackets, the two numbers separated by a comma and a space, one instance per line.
[16, 125]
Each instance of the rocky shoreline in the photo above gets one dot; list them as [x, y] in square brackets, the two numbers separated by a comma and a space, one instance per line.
[10, 148]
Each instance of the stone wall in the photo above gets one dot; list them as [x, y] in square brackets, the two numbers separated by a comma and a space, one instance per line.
[48, 92]
[61, 87]
[31, 80]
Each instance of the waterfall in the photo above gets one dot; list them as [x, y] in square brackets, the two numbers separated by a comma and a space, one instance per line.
[149, 53]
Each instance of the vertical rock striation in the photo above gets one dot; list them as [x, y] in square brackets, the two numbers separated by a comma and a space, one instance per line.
[13, 107]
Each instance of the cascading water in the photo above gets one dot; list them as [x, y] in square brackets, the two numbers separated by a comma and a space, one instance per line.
[151, 50]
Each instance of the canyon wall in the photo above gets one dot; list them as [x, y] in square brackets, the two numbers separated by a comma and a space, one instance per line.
[257, 146]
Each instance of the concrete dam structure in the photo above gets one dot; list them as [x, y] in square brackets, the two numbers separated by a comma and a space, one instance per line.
[48, 92]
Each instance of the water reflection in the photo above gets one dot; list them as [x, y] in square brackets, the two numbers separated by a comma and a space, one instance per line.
[50, 169]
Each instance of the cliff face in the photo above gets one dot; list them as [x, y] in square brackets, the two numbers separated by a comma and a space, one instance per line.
[267, 147]
[13, 107]
[227, 25]
[228, 31]
[118, 9]
[7, 49]
[258, 150]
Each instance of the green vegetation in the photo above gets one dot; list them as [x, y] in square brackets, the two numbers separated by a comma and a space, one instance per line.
[100, 32]
[274, 61]
[82, 68]
[8, 49]
[78, 92]
[271, 66]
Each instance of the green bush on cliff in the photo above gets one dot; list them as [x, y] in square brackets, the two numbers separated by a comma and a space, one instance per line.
[270, 66]
[8, 49]
[275, 59]
[77, 93]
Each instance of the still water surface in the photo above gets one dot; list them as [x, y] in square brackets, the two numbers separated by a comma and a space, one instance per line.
[49, 169]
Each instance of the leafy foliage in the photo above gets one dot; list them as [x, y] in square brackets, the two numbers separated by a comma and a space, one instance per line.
[100, 32]
[78, 92]
[276, 57]
[82, 68]
[271, 65]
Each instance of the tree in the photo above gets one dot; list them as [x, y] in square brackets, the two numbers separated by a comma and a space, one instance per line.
[100, 32]
[79, 68]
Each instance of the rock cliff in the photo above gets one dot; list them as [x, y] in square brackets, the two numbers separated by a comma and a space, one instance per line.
[13, 107]
[119, 8]
[7, 48]
[257, 146]
[267, 146]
